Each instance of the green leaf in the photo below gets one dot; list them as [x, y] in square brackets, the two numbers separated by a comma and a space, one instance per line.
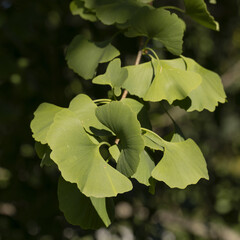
[145, 167]
[114, 76]
[43, 118]
[83, 56]
[43, 152]
[112, 11]
[140, 110]
[119, 118]
[85, 108]
[197, 10]
[115, 152]
[77, 8]
[79, 159]
[88, 213]
[158, 24]
[167, 82]
[182, 164]
[209, 93]
[152, 140]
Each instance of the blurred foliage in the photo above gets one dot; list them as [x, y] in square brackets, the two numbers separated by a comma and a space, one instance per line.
[33, 40]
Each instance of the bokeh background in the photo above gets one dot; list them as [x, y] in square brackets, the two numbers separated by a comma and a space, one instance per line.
[34, 35]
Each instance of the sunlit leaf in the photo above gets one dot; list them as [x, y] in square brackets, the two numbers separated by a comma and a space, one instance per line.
[119, 118]
[77, 8]
[115, 152]
[161, 80]
[145, 167]
[158, 24]
[152, 140]
[197, 10]
[114, 76]
[209, 93]
[79, 159]
[83, 56]
[88, 213]
[43, 118]
[85, 109]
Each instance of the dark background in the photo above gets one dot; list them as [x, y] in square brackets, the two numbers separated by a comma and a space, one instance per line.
[34, 35]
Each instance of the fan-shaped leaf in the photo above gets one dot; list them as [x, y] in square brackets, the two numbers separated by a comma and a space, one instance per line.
[83, 56]
[79, 159]
[168, 81]
[114, 76]
[182, 163]
[112, 11]
[119, 118]
[197, 10]
[88, 213]
[145, 167]
[43, 118]
[209, 93]
[77, 8]
[158, 24]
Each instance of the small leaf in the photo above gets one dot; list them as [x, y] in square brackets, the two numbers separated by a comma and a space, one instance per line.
[158, 24]
[145, 167]
[114, 76]
[209, 93]
[43, 118]
[83, 56]
[79, 159]
[197, 10]
[152, 140]
[77, 8]
[115, 152]
[43, 152]
[88, 213]
[119, 118]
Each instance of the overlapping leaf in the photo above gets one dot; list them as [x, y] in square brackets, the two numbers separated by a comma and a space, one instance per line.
[88, 213]
[43, 118]
[83, 56]
[182, 163]
[79, 159]
[158, 24]
[77, 8]
[112, 11]
[119, 118]
[209, 93]
[161, 80]
[197, 10]
[114, 76]
[43, 152]
[145, 167]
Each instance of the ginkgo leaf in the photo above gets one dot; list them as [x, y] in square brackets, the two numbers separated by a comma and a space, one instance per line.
[197, 10]
[79, 159]
[77, 8]
[161, 80]
[43, 118]
[114, 76]
[119, 118]
[152, 140]
[209, 93]
[112, 11]
[43, 152]
[182, 163]
[145, 167]
[85, 109]
[88, 213]
[140, 109]
[158, 24]
[83, 56]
